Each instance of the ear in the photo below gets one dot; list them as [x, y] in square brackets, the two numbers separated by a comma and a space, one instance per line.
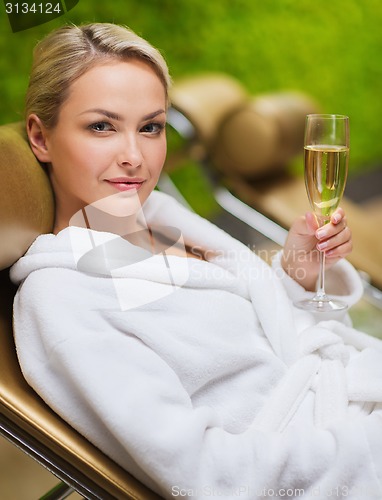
[37, 135]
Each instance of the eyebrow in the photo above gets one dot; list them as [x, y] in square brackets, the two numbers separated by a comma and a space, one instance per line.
[115, 116]
[150, 116]
[104, 112]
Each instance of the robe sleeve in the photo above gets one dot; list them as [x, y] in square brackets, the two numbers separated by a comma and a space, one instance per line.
[93, 370]
[342, 281]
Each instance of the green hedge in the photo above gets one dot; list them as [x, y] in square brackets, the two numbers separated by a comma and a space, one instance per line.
[329, 49]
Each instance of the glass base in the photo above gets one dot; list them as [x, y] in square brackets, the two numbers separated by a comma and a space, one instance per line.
[321, 304]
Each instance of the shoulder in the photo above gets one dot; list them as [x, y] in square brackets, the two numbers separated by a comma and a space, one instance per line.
[64, 287]
[48, 251]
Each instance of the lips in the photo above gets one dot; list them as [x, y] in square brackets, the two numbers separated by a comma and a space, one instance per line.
[126, 183]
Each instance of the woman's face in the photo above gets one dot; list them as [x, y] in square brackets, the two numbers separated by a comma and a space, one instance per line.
[109, 140]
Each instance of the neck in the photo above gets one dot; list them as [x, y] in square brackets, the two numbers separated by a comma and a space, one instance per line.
[98, 220]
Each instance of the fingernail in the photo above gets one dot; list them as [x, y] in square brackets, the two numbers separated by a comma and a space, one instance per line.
[320, 233]
[336, 218]
[322, 246]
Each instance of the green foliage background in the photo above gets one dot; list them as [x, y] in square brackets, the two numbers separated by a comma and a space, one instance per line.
[329, 49]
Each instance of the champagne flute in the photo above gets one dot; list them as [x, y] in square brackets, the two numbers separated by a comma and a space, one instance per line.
[326, 158]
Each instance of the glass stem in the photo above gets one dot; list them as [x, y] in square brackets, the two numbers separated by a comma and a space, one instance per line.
[320, 293]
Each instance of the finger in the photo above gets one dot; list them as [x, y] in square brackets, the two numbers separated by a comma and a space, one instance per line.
[336, 240]
[340, 252]
[311, 223]
[337, 216]
[330, 230]
[300, 227]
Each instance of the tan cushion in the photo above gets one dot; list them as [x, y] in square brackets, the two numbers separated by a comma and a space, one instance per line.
[26, 200]
[262, 135]
[206, 99]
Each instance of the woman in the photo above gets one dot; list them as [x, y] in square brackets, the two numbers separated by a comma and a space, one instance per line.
[174, 348]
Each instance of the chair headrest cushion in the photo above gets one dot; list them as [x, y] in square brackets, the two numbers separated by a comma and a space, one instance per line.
[261, 137]
[205, 99]
[26, 198]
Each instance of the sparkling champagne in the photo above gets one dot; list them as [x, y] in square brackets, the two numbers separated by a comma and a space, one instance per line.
[326, 170]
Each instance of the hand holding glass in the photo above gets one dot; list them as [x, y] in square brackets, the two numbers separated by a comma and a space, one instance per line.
[326, 158]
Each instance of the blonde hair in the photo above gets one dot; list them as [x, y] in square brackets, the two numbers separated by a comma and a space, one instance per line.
[68, 52]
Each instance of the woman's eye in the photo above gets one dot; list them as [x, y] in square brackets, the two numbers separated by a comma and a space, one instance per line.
[153, 128]
[101, 127]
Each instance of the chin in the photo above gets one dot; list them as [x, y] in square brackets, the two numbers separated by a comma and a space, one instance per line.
[121, 204]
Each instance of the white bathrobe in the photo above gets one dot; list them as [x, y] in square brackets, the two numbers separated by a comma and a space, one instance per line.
[201, 378]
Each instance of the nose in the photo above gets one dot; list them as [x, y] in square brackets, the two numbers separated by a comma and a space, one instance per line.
[130, 154]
